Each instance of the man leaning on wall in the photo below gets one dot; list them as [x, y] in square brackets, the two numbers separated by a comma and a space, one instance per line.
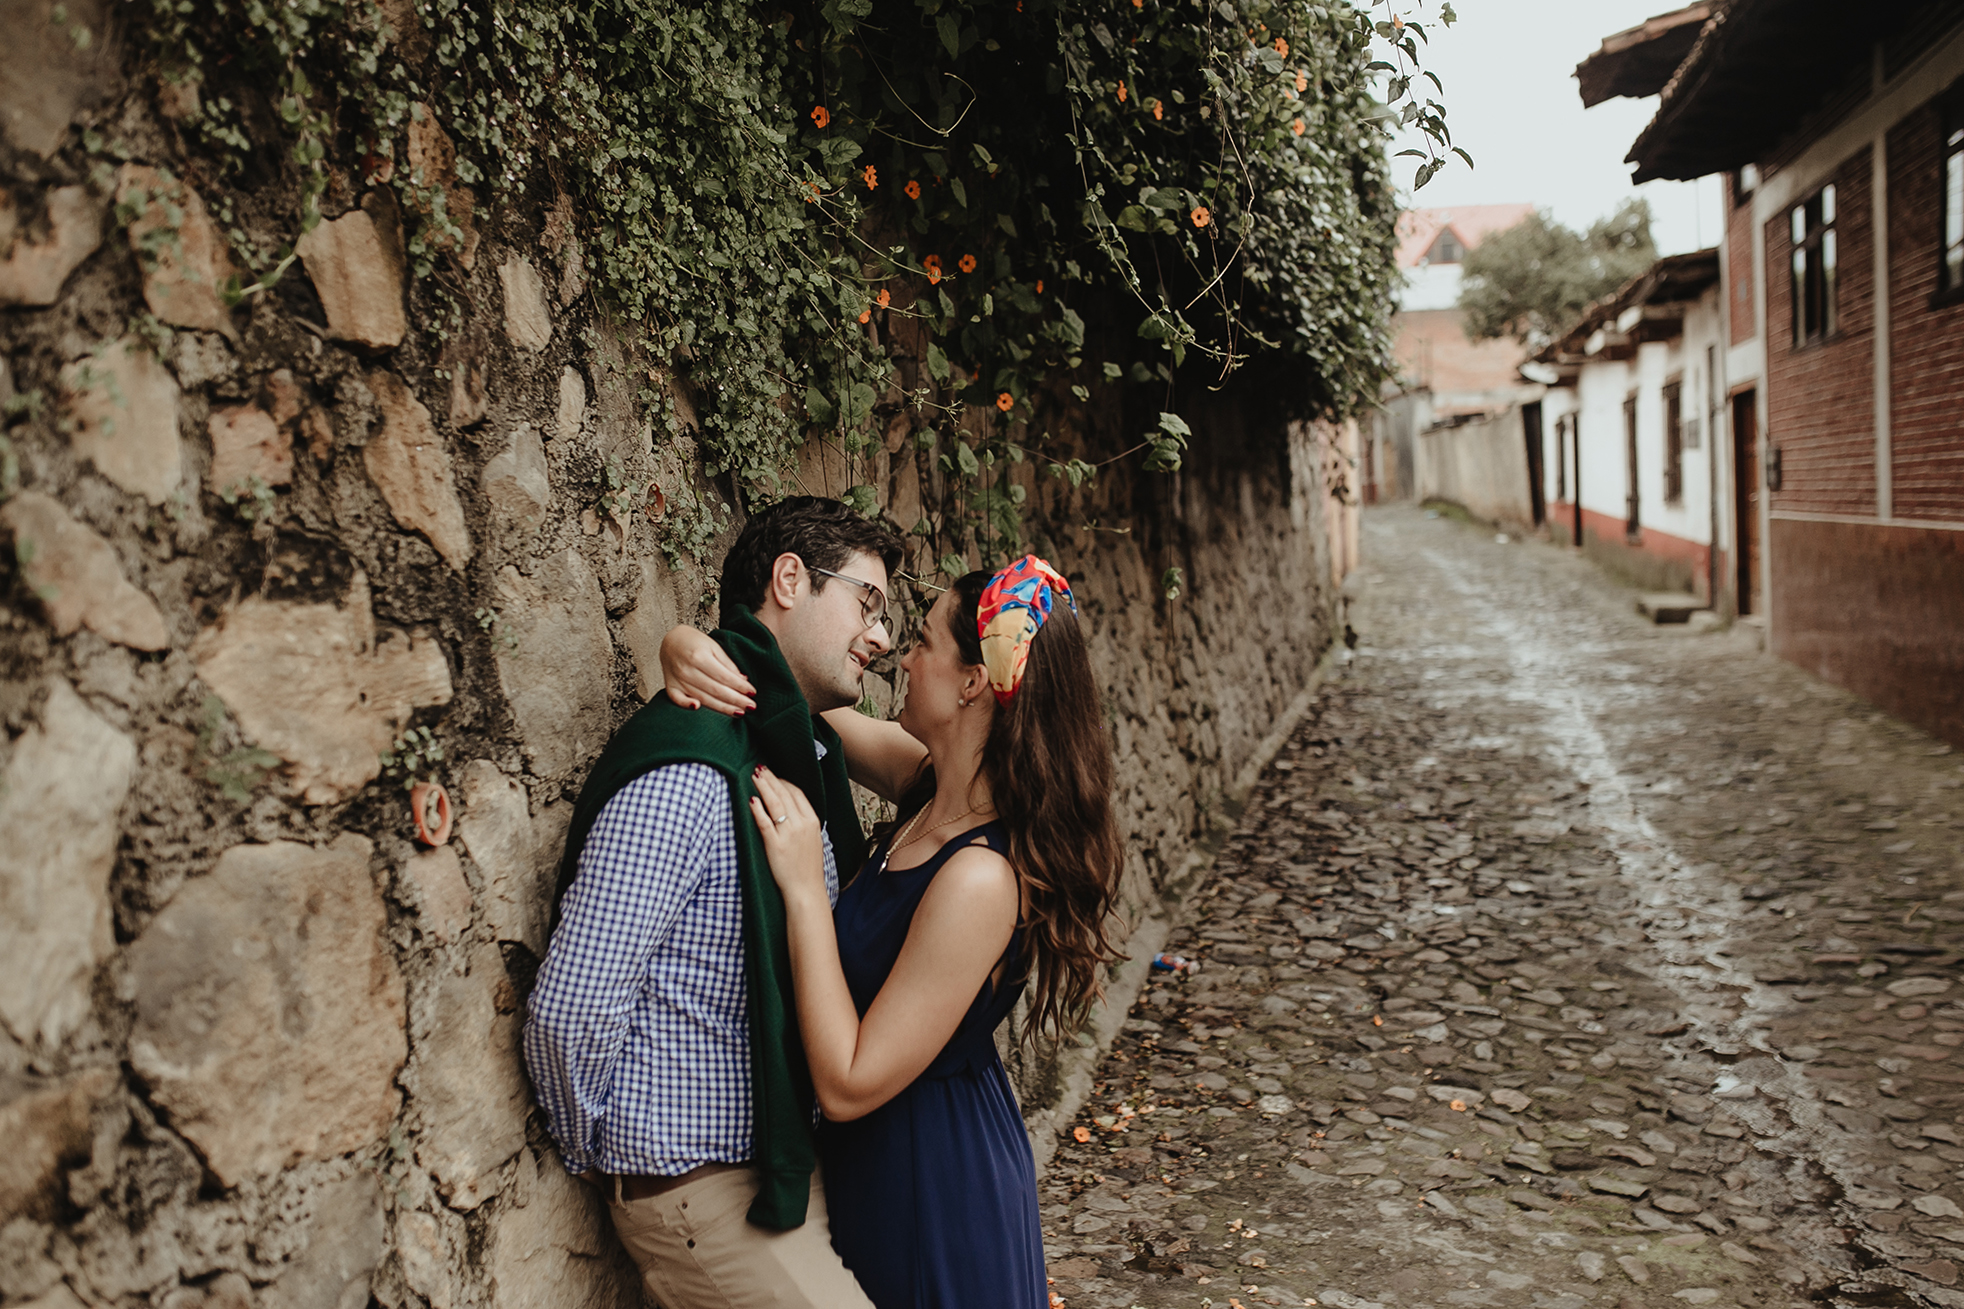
[662, 1033]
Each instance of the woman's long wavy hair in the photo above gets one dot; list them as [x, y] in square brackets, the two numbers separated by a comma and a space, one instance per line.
[1048, 761]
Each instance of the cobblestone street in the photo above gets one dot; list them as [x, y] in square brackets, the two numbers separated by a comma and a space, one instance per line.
[1557, 960]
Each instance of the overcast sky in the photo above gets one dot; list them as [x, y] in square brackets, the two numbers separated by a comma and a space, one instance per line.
[1512, 102]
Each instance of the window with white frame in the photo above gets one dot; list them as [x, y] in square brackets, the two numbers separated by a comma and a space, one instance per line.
[1950, 274]
[1814, 266]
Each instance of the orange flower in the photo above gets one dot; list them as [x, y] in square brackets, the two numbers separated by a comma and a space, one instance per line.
[966, 263]
[1039, 286]
[1281, 47]
[886, 298]
[1159, 109]
[913, 189]
[872, 177]
[1121, 93]
[1005, 402]
[1297, 127]
[811, 193]
[1200, 216]
[866, 315]
[1080, 1134]
[822, 116]
[1302, 81]
[933, 266]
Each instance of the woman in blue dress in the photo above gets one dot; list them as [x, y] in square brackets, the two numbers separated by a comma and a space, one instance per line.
[997, 878]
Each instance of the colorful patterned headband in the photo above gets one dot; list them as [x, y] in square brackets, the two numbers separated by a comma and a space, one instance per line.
[1014, 605]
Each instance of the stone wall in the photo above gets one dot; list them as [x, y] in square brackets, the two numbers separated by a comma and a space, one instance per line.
[258, 1041]
[1481, 465]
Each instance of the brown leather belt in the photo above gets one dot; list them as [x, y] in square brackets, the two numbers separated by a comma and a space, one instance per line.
[646, 1186]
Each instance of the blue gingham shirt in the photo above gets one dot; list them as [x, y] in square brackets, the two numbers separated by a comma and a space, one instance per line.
[636, 1034]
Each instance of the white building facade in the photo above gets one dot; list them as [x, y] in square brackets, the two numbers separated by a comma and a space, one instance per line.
[1630, 471]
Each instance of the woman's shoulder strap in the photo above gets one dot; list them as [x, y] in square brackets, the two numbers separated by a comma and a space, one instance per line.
[991, 835]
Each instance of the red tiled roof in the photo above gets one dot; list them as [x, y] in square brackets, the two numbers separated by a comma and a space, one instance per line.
[1472, 224]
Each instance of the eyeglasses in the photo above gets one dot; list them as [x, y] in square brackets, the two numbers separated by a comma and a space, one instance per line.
[872, 606]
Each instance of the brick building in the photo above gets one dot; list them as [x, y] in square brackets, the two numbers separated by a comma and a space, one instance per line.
[1840, 132]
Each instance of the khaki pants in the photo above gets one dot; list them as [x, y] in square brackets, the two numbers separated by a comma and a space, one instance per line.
[696, 1250]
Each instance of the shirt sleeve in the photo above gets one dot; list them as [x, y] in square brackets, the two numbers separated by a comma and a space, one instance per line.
[642, 862]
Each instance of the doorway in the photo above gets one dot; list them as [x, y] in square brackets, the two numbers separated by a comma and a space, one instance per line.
[1632, 501]
[1531, 429]
[1745, 499]
[1575, 477]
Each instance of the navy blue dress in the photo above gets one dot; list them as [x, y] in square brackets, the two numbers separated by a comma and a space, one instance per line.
[933, 1196]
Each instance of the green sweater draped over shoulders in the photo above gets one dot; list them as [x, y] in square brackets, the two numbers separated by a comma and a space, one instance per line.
[778, 733]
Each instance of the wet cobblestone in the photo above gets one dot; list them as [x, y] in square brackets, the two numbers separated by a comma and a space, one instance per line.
[1558, 960]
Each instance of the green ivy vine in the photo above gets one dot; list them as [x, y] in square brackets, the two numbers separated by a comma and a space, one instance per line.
[1028, 198]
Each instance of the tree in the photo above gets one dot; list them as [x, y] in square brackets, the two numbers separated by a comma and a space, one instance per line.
[1534, 279]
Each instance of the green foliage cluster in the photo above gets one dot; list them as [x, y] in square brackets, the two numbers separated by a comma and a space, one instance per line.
[778, 202]
[415, 753]
[1535, 279]
[236, 772]
[251, 499]
[490, 620]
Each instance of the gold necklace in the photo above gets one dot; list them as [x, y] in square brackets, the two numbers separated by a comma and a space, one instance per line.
[907, 836]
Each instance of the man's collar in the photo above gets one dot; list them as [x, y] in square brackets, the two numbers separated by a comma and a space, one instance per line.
[782, 717]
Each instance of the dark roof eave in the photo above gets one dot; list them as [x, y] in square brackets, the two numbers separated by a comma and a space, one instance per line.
[1639, 62]
[1682, 277]
[1672, 278]
[1758, 68]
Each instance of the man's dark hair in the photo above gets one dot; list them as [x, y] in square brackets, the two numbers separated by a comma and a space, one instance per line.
[823, 533]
